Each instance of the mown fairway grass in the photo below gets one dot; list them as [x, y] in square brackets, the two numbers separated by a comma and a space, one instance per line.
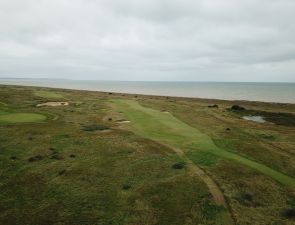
[164, 127]
[21, 118]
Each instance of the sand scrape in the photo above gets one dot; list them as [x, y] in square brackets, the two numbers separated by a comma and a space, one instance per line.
[53, 104]
[123, 121]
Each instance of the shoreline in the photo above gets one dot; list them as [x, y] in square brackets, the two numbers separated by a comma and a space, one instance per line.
[209, 100]
[260, 92]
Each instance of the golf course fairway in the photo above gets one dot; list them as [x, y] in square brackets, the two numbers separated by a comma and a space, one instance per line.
[165, 128]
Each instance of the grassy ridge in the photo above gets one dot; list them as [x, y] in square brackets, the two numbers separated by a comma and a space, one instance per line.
[164, 127]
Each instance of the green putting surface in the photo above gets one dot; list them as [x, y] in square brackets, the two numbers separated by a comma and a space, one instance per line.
[21, 117]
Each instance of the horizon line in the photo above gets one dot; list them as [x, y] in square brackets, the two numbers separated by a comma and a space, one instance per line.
[171, 81]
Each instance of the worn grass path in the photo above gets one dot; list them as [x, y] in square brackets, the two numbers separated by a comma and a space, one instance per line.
[166, 128]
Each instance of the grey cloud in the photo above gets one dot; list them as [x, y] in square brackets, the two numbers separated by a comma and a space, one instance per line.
[148, 39]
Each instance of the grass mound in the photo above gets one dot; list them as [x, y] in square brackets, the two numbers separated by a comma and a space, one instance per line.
[21, 118]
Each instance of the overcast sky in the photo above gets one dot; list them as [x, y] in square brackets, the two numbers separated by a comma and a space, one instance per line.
[200, 40]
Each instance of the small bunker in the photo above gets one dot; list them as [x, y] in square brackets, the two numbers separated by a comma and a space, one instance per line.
[53, 104]
[122, 121]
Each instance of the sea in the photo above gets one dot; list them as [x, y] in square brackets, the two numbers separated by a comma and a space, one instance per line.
[251, 91]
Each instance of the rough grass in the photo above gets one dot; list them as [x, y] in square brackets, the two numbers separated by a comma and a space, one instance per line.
[56, 173]
[41, 183]
[48, 94]
[203, 158]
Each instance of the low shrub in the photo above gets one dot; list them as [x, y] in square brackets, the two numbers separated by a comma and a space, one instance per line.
[288, 213]
[61, 172]
[213, 106]
[95, 127]
[35, 158]
[178, 166]
[56, 156]
[126, 187]
[237, 108]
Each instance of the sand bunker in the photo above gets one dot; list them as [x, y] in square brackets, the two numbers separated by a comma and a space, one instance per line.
[164, 111]
[122, 121]
[53, 104]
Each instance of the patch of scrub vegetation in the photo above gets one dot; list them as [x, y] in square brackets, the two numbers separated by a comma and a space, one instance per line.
[252, 196]
[203, 158]
[183, 200]
[247, 198]
[211, 211]
[178, 165]
[47, 94]
[95, 127]
[279, 118]
[264, 135]
[289, 213]
[21, 117]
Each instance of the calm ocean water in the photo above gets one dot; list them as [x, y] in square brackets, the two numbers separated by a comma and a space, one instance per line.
[267, 92]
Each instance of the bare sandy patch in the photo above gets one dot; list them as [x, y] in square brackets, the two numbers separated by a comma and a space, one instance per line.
[53, 104]
[122, 121]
